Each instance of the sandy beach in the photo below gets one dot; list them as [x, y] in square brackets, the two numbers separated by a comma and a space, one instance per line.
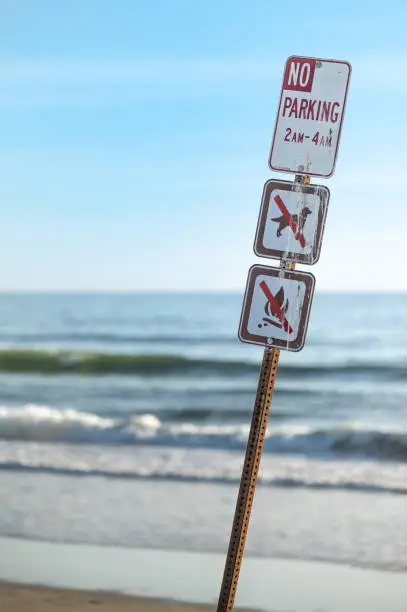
[20, 598]
[88, 577]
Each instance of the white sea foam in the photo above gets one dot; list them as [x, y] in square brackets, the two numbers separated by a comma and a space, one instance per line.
[46, 424]
[38, 422]
[200, 465]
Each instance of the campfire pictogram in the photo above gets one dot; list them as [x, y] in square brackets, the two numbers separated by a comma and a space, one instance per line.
[279, 298]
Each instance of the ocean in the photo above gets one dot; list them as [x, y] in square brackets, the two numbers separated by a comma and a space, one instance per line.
[124, 418]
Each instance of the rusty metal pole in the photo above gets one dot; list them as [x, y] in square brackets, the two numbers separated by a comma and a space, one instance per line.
[248, 480]
[251, 465]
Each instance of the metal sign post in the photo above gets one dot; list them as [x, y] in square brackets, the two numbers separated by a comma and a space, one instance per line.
[255, 442]
[248, 480]
[292, 217]
[251, 465]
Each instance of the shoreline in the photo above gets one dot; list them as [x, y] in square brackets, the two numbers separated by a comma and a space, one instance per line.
[164, 577]
[382, 569]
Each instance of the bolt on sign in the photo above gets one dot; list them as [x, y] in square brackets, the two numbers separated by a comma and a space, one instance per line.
[291, 221]
[310, 115]
[276, 307]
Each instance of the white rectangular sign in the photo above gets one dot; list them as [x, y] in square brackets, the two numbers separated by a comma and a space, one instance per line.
[310, 115]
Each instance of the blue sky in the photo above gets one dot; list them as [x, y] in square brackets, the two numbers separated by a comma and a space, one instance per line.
[135, 138]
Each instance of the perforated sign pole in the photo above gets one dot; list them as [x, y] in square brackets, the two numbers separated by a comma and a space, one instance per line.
[251, 465]
[248, 480]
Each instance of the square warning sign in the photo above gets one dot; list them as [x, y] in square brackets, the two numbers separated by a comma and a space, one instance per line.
[276, 307]
[291, 221]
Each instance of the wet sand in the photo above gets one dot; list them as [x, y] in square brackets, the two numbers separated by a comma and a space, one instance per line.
[83, 577]
[20, 598]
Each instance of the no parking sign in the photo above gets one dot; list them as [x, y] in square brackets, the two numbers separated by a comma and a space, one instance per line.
[310, 115]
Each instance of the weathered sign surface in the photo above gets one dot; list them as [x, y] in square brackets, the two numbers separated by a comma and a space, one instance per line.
[310, 114]
[291, 221]
[276, 307]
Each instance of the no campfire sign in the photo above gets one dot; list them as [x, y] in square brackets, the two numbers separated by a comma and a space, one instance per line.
[276, 307]
[291, 221]
[310, 114]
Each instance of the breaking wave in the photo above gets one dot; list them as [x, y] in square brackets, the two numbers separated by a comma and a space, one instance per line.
[46, 424]
[178, 476]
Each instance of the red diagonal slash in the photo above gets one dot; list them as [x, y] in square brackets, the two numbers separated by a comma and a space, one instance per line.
[275, 307]
[298, 235]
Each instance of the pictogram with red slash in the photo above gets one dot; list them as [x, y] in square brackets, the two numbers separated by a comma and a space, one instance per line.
[295, 222]
[275, 303]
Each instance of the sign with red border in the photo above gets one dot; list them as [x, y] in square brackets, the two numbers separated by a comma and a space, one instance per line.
[310, 116]
[291, 221]
[276, 307]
